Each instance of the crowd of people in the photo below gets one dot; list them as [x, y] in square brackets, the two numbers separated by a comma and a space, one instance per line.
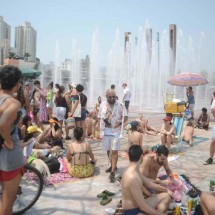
[39, 121]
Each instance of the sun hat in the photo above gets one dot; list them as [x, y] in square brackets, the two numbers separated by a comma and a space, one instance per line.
[33, 128]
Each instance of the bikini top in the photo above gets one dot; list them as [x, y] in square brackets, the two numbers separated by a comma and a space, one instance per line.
[79, 153]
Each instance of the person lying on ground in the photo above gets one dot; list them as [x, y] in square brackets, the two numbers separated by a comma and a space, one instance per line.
[152, 163]
[187, 133]
[136, 199]
[80, 159]
[167, 132]
[204, 119]
[145, 128]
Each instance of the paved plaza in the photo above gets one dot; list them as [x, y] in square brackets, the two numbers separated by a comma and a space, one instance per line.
[79, 197]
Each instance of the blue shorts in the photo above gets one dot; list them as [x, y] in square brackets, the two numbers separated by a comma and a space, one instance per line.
[83, 115]
[133, 211]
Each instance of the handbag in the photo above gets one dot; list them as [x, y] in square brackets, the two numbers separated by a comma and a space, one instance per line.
[70, 122]
[77, 112]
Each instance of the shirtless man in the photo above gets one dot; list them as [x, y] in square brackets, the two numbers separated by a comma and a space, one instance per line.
[135, 137]
[207, 200]
[153, 162]
[204, 119]
[167, 132]
[134, 188]
[187, 133]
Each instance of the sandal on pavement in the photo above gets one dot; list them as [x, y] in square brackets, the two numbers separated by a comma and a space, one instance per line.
[105, 193]
[105, 200]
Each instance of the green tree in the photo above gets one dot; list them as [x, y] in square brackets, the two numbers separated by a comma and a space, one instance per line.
[26, 56]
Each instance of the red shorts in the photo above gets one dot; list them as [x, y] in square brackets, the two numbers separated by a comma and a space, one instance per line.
[7, 176]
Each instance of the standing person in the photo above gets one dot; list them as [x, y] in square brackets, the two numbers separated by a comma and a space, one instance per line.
[126, 96]
[213, 105]
[62, 108]
[50, 99]
[134, 185]
[190, 100]
[212, 148]
[11, 154]
[27, 93]
[112, 114]
[80, 98]
[40, 95]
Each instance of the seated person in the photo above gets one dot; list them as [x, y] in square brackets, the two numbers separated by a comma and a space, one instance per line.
[78, 157]
[52, 136]
[26, 122]
[207, 201]
[89, 125]
[167, 132]
[204, 119]
[152, 163]
[187, 133]
[135, 137]
[136, 199]
[145, 128]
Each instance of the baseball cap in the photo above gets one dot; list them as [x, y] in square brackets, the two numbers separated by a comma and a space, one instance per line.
[54, 120]
[167, 118]
[33, 128]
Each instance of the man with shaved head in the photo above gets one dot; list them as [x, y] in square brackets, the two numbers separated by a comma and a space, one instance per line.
[112, 115]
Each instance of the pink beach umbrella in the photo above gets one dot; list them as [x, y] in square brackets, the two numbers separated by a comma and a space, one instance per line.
[187, 79]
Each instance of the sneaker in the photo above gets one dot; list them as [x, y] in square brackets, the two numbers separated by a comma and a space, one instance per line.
[208, 161]
[112, 177]
[68, 138]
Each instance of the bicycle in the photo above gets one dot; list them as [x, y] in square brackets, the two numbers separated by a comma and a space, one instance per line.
[29, 190]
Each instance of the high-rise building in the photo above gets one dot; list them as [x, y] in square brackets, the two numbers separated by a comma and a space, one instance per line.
[25, 42]
[172, 45]
[5, 34]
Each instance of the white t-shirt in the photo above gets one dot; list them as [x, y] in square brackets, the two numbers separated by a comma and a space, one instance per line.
[127, 94]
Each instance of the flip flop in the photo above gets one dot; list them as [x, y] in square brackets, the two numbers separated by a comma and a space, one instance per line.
[105, 193]
[105, 200]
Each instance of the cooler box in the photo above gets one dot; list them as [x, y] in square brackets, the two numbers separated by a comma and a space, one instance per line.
[181, 107]
[171, 107]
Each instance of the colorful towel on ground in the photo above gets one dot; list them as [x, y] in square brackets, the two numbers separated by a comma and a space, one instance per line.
[60, 177]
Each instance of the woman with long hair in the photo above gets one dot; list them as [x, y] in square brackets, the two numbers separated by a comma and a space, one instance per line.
[50, 99]
[62, 108]
[80, 98]
[80, 159]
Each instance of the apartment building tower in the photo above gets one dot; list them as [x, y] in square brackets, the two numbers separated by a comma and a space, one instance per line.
[5, 35]
[26, 42]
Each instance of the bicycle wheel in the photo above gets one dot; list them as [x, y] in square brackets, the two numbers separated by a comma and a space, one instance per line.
[29, 191]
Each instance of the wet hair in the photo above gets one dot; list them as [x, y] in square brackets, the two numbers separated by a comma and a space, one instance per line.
[162, 150]
[61, 90]
[134, 125]
[36, 82]
[25, 120]
[57, 86]
[204, 110]
[112, 86]
[78, 133]
[190, 88]
[9, 77]
[190, 123]
[135, 152]
[51, 84]
[80, 88]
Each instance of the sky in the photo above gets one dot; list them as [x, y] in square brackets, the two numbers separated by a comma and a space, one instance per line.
[65, 20]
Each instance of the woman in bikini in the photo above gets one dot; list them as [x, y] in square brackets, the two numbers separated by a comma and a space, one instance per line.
[80, 159]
